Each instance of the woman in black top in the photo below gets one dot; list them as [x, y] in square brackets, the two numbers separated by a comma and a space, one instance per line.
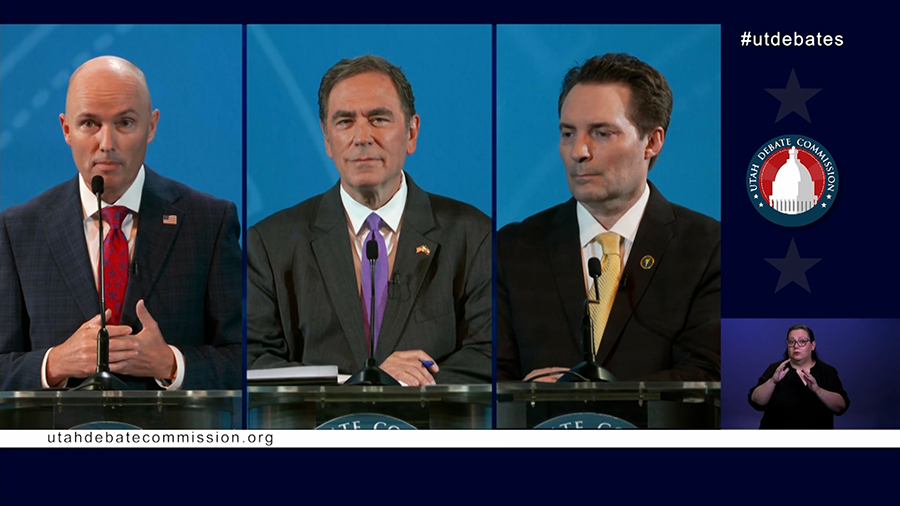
[802, 392]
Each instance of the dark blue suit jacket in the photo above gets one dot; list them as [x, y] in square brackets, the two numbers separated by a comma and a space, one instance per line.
[189, 275]
[665, 321]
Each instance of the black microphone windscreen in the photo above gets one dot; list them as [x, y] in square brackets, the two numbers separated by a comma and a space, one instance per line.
[372, 250]
[594, 269]
[97, 185]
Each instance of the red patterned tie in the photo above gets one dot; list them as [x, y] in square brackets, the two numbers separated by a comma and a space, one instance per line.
[115, 261]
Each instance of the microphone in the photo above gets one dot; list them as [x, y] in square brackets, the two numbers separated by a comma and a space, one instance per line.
[594, 271]
[372, 253]
[97, 185]
[394, 285]
[588, 369]
[102, 378]
[371, 374]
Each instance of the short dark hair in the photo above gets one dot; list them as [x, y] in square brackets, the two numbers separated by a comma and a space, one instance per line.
[349, 67]
[650, 104]
[809, 332]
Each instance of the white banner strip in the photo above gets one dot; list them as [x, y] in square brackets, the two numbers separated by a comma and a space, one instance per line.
[446, 439]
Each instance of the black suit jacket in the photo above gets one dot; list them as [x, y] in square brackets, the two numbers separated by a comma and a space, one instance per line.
[665, 320]
[189, 275]
[303, 303]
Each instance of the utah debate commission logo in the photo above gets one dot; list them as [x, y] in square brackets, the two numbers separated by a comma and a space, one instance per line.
[792, 180]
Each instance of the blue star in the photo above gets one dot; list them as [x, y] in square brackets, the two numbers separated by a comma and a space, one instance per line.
[793, 98]
[793, 268]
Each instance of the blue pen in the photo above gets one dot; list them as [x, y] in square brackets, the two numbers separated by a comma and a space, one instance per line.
[427, 363]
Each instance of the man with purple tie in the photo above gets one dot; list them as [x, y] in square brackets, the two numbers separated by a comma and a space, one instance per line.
[172, 263]
[308, 299]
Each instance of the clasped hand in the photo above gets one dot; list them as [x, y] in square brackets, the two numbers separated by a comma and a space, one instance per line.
[144, 354]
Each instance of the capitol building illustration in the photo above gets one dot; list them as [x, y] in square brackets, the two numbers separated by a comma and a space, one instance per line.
[793, 190]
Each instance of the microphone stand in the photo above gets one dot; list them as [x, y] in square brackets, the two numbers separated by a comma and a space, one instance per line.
[371, 374]
[588, 370]
[102, 378]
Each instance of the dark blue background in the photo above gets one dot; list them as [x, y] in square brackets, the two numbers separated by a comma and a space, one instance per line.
[853, 116]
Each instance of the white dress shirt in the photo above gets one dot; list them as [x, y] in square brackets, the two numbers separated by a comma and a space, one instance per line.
[627, 227]
[131, 199]
[391, 214]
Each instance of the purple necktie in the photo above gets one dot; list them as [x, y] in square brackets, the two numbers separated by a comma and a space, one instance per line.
[115, 261]
[381, 277]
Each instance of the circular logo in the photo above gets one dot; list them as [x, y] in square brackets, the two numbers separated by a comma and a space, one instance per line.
[586, 421]
[647, 262]
[371, 421]
[792, 180]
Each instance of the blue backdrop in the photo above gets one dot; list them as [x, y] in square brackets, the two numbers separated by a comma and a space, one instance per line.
[194, 76]
[531, 62]
[449, 68]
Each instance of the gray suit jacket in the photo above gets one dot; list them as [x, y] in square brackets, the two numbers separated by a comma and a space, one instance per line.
[189, 275]
[303, 304]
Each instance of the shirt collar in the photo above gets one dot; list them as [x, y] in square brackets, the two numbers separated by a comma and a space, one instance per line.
[627, 226]
[130, 199]
[390, 213]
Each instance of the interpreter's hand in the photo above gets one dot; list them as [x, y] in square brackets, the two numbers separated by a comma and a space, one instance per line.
[406, 366]
[77, 356]
[151, 357]
[781, 372]
[810, 380]
[550, 378]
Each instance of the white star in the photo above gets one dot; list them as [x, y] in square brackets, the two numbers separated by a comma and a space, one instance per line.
[760, 204]
[756, 196]
[823, 204]
[828, 196]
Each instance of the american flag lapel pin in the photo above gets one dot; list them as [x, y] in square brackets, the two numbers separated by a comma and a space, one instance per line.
[170, 219]
[423, 249]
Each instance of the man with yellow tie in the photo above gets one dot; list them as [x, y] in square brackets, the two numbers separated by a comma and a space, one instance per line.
[658, 313]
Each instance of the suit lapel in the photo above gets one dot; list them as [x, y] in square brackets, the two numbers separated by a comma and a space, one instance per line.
[565, 261]
[154, 241]
[652, 239]
[410, 267]
[64, 229]
[334, 256]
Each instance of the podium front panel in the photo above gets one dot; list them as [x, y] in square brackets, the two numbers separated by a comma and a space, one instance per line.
[191, 409]
[669, 405]
[308, 407]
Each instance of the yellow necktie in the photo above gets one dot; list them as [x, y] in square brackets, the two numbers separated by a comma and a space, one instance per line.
[608, 283]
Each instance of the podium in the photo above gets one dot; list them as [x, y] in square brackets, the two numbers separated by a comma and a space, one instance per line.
[428, 407]
[655, 405]
[54, 409]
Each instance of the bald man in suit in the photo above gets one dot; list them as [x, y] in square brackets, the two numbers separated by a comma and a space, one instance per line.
[176, 323]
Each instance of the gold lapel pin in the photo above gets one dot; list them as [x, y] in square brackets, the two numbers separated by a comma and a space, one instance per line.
[647, 262]
[423, 249]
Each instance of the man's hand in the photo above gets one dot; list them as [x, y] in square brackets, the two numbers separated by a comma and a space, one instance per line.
[781, 372]
[150, 356]
[77, 357]
[406, 366]
[550, 378]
